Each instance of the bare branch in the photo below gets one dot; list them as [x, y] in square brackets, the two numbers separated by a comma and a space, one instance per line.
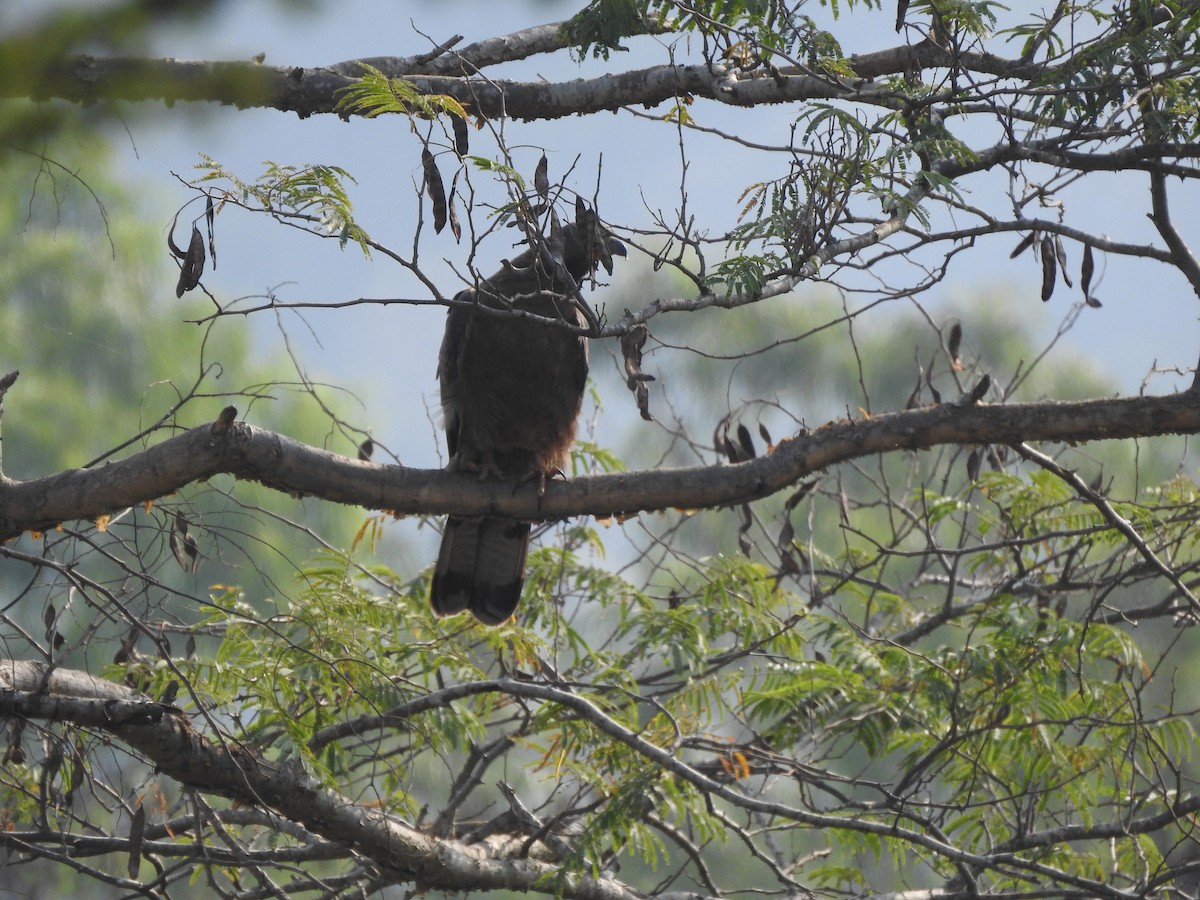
[287, 465]
[309, 91]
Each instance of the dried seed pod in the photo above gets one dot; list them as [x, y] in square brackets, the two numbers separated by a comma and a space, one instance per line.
[455, 224]
[210, 218]
[183, 545]
[914, 399]
[137, 830]
[974, 461]
[1086, 270]
[746, 441]
[1049, 269]
[1060, 253]
[192, 266]
[731, 453]
[1025, 244]
[953, 344]
[981, 388]
[435, 189]
[460, 135]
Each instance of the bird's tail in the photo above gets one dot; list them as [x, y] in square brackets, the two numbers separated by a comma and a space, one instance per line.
[480, 567]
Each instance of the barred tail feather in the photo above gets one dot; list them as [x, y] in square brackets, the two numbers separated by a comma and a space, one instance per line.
[480, 567]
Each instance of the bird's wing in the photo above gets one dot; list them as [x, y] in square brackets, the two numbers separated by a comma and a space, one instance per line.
[458, 325]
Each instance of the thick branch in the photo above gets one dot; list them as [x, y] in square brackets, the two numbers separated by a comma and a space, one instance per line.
[232, 770]
[287, 465]
[307, 91]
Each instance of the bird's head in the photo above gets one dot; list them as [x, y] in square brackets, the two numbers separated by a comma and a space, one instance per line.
[585, 248]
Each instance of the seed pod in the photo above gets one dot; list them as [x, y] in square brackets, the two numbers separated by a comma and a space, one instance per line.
[1026, 243]
[435, 189]
[137, 829]
[192, 266]
[1086, 270]
[210, 218]
[746, 441]
[455, 224]
[460, 135]
[1060, 253]
[1049, 268]
[183, 545]
[974, 462]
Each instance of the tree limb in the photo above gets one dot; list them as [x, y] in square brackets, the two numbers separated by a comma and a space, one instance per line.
[238, 772]
[309, 91]
[287, 465]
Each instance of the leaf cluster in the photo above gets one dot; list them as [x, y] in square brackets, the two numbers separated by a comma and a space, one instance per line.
[314, 196]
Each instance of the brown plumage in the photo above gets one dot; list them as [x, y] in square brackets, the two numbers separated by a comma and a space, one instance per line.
[511, 392]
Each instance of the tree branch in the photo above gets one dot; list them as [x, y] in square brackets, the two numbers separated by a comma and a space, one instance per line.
[1114, 518]
[287, 465]
[309, 91]
[236, 771]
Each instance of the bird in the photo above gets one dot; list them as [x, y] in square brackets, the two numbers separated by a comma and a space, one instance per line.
[511, 390]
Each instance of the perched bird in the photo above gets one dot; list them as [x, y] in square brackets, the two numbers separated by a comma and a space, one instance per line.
[511, 390]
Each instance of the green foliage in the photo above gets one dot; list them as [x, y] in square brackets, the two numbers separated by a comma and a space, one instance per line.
[974, 17]
[375, 94]
[1006, 719]
[313, 194]
[761, 27]
[600, 26]
[744, 275]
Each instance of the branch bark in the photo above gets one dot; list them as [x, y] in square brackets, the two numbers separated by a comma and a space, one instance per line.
[246, 452]
[310, 91]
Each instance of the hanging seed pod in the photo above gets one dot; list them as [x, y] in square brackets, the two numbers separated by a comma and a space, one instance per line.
[766, 436]
[974, 461]
[1049, 268]
[746, 441]
[191, 263]
[435, 189]
[1087, 270]
[210, 218]
[460, 135]
[1060, 253]
[1025, 244]
[953, 345]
